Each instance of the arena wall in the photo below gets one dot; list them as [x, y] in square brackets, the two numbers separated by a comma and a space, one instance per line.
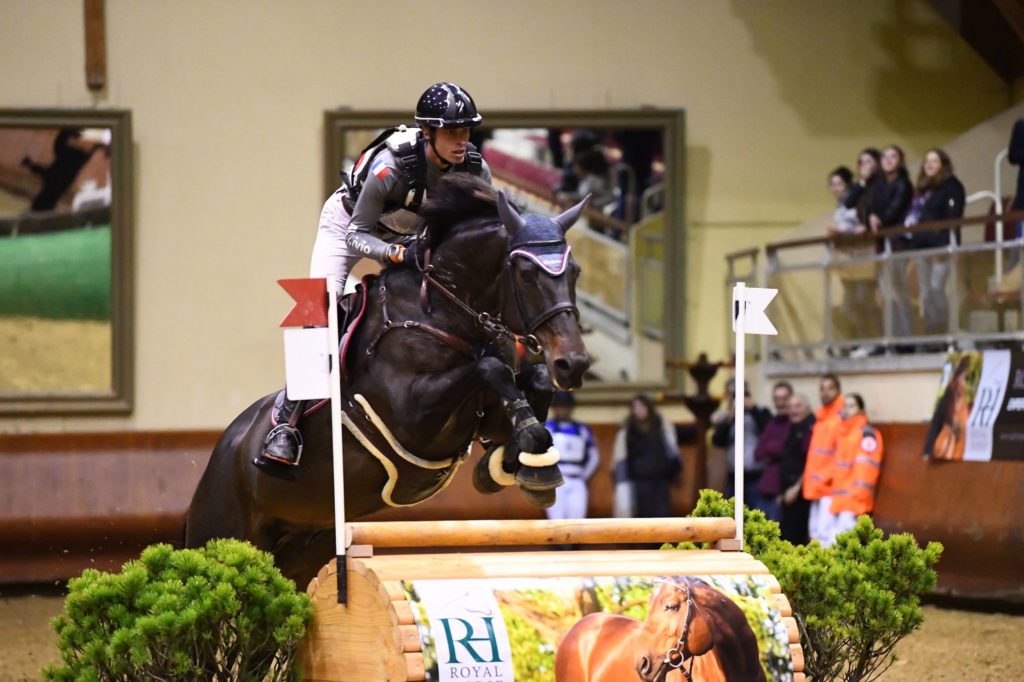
[227, 101]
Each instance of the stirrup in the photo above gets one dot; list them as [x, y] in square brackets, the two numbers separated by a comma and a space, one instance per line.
[292, 433]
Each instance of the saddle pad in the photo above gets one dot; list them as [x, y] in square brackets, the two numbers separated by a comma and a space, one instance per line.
[350, 332]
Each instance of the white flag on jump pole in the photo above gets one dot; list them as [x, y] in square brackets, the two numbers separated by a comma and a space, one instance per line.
[748, 317]
[314, 371]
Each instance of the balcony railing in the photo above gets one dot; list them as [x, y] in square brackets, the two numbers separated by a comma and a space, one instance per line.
[857, 301]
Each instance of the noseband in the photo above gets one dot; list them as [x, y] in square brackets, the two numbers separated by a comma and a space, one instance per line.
[675, 658]
[554, 265]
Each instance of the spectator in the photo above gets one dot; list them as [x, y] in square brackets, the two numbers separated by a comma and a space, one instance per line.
[755, 418]
[644, 462]
[578, 458]
[769, 449]
[1016, 157]
[939, 196]
[859, 280]
[591, 171]
[889, 209]
[858, 465]
[582, 142]
[70, 154]
[821, 455]
[792, 505]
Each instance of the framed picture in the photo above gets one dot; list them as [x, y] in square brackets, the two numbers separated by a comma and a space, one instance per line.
[65, 262]
[630, 243]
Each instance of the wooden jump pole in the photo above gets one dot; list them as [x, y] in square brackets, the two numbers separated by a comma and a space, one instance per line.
[538, 532]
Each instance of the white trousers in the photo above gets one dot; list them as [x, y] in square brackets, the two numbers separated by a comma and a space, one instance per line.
[843, 522]
[570, 500]
[821, 522]
[332, 257]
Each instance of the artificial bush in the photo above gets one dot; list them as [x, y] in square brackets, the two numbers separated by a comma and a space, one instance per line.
[223, 612]
[853, 601]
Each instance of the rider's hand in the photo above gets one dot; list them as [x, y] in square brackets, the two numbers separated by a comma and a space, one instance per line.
[412, 253]
[395, 254]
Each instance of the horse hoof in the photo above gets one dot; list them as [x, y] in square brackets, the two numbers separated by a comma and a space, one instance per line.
[488, 475]
[542, 499]
[539, 478]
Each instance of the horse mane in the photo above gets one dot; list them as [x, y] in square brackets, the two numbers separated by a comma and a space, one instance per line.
[458, 200]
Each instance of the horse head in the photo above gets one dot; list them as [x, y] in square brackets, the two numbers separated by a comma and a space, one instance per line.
[543, 287]
[676, 630]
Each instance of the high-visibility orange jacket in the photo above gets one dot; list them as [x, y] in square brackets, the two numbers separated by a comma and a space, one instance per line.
[858, 464]
[821, 452]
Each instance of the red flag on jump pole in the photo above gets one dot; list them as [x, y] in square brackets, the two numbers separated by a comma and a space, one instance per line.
[310, 302]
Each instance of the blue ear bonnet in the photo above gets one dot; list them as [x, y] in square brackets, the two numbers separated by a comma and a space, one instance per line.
[541, 240]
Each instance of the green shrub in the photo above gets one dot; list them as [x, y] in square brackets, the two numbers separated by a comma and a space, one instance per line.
[223, 612]
[853, 601]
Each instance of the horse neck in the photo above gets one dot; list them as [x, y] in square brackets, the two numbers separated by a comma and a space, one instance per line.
[472, 265]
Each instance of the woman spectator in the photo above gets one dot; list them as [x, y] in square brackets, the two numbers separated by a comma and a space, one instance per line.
[645, 461]
[859, 280]
[939, 196]
[889, 208]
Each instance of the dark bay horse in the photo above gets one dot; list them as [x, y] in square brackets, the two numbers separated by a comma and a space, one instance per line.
[421, 385]
[692, 632]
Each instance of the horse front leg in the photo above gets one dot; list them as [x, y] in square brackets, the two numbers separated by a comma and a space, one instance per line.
[523, 452]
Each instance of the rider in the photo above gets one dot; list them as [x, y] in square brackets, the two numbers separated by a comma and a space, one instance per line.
[374, 210]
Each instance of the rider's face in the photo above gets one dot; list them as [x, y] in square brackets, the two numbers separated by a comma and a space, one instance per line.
[450, 144]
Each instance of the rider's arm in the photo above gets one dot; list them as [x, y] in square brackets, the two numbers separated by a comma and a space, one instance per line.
[366, 213]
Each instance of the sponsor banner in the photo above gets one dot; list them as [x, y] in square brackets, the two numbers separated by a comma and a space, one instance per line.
[979, 415]
[607, 628]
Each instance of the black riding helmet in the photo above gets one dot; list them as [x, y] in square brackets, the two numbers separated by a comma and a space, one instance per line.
[446, 105]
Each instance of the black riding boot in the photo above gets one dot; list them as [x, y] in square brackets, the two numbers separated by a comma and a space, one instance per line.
[284, 442]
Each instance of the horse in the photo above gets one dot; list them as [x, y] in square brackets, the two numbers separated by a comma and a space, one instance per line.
[427, 372]
[692, 632]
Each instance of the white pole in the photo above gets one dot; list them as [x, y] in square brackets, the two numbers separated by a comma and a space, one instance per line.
[339, 473]
[739, 309]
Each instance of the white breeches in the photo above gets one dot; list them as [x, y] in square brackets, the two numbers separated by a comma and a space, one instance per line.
[332, 257]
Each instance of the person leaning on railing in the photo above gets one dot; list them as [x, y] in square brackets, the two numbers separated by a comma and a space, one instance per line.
[859, 280]
[888, 209]
[939, 195]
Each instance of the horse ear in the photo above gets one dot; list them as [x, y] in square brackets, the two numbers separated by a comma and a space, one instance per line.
[513, 221]
[571, 215]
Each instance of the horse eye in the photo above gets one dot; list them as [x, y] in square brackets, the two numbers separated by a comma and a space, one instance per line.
[672, 607]
[529, 274]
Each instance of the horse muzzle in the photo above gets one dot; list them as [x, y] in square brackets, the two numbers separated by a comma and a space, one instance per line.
[567, 370]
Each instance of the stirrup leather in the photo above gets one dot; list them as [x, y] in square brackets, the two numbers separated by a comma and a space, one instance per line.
[292, 433]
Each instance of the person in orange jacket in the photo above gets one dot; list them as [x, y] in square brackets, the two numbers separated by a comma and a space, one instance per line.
[857, 467]
[817, 486]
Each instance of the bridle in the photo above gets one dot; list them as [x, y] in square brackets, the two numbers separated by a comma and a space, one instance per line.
[675, 658]
[529, 250]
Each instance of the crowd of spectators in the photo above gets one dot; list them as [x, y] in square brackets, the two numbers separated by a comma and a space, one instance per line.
[883, 196]
[812, 473]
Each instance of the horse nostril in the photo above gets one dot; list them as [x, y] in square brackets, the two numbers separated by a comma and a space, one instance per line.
[562, 365]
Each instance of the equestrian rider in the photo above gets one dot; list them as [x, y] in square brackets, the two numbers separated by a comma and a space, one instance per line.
[375, 209]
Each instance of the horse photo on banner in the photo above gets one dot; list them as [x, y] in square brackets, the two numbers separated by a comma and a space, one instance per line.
[611, 629]
[979, 414]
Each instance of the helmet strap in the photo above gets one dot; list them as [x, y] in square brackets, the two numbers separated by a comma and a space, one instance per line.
[447, 164]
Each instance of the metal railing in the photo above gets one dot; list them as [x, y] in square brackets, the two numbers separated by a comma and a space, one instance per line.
[845, 298]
